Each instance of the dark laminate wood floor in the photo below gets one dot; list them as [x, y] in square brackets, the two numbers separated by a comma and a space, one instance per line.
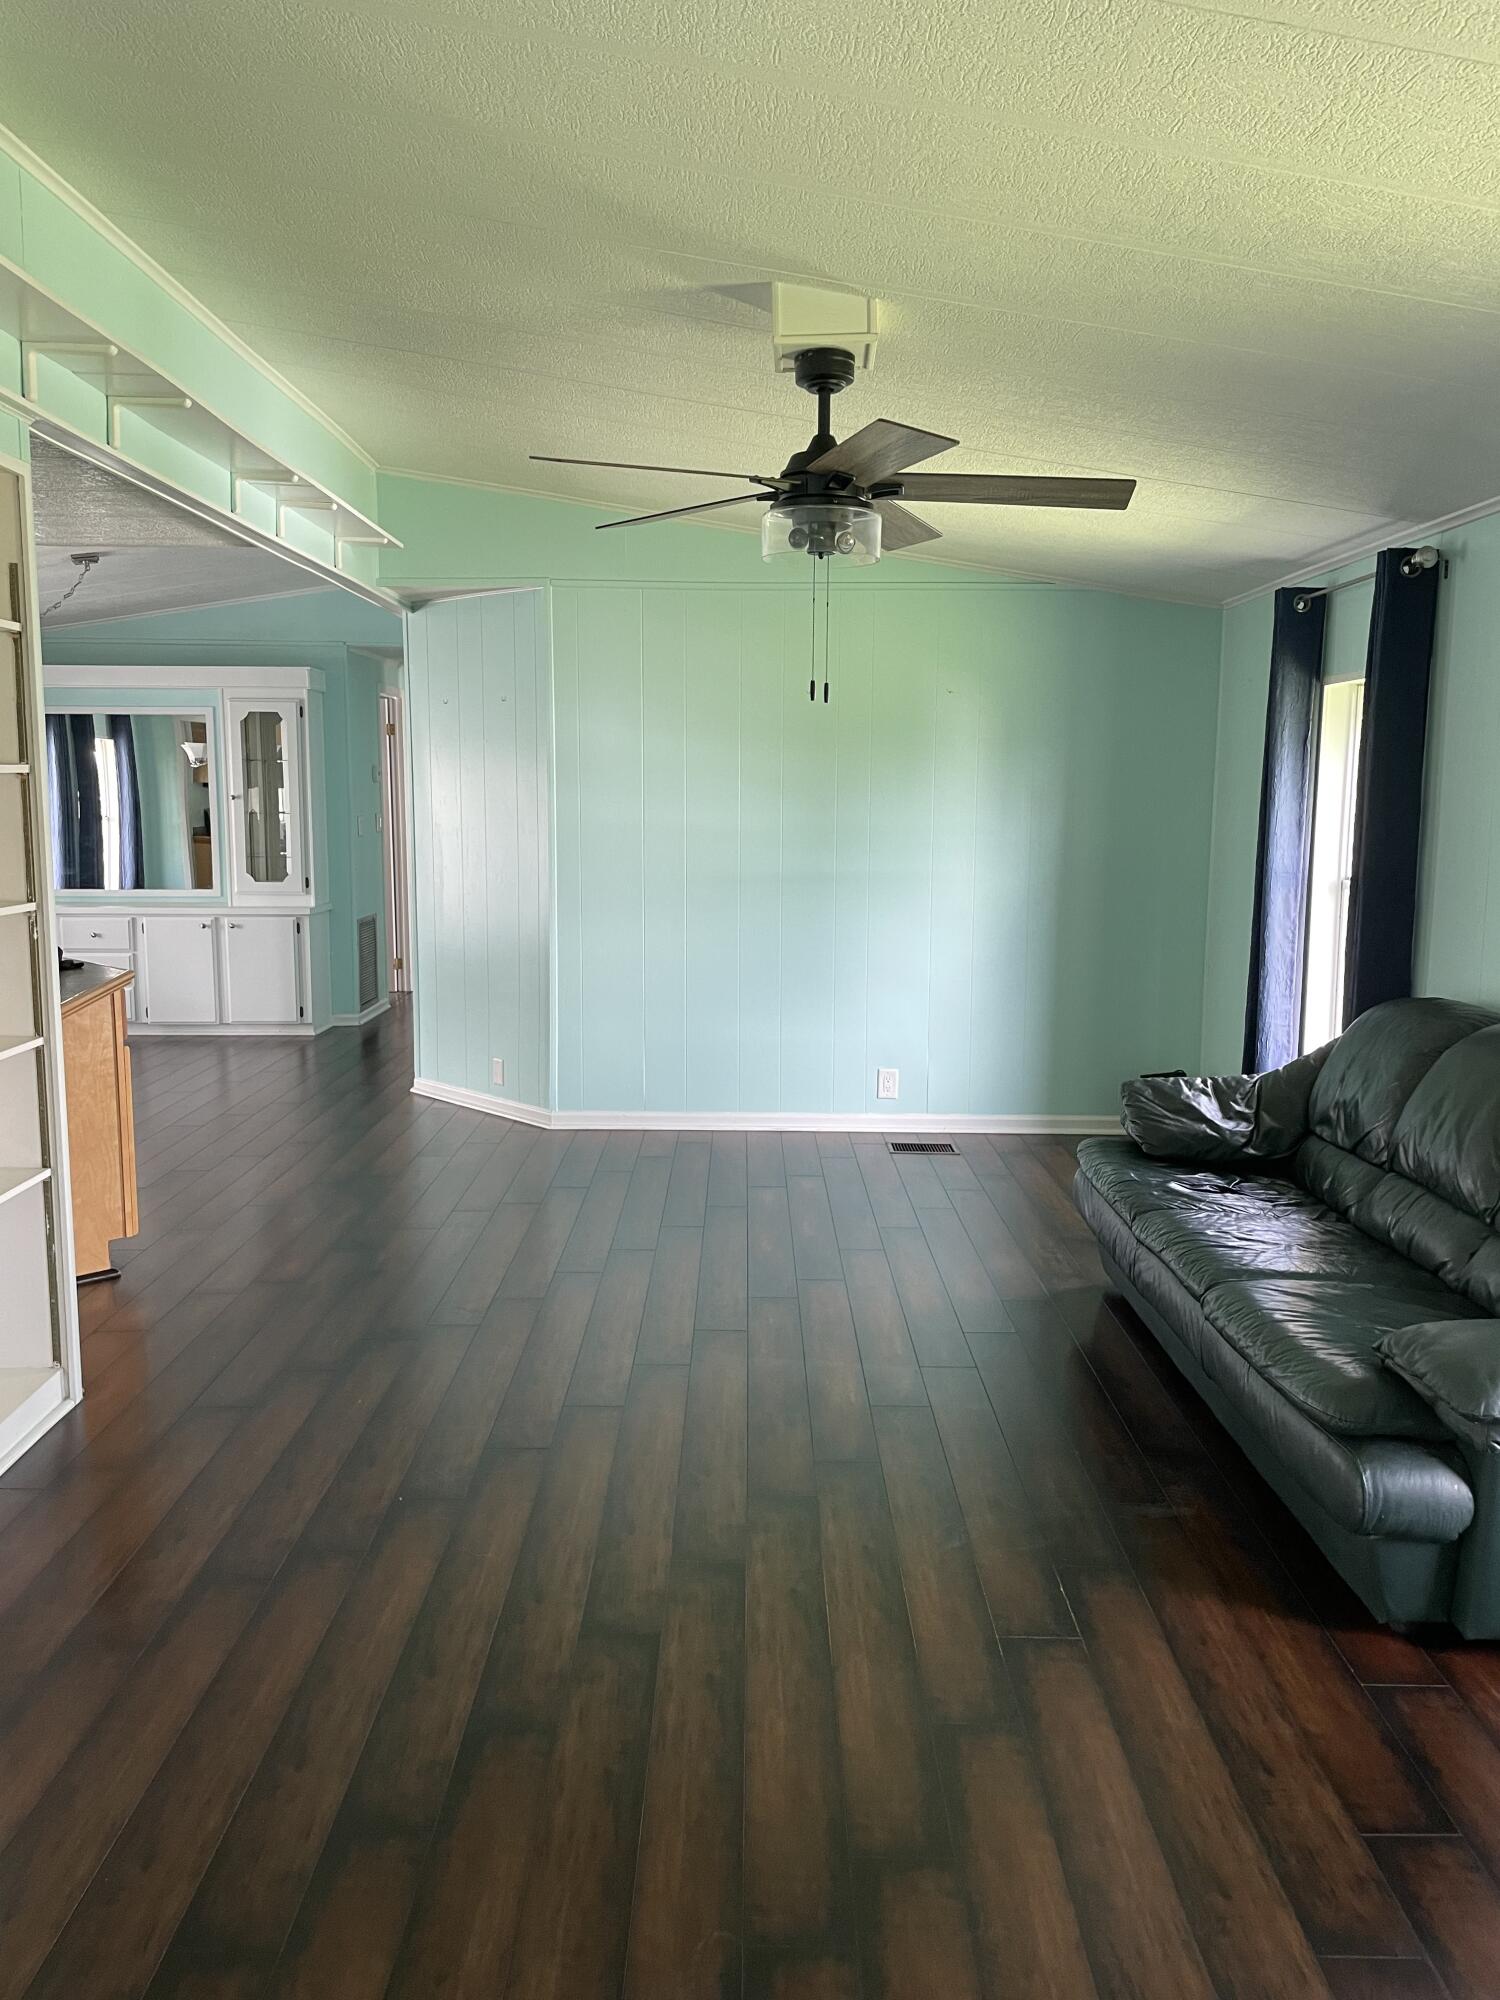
[505, 1564]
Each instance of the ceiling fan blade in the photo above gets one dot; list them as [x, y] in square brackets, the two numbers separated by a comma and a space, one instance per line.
[901, 529]
[676, 513]
[1000, 489]
[880, 450]
[622, 465]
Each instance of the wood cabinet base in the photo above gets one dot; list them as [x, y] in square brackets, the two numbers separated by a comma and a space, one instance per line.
[101, 1116]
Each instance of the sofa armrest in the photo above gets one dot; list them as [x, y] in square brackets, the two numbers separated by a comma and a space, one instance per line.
[1222, 1119]
[1454, 1366]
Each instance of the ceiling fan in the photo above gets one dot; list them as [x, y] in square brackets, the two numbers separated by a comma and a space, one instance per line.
[844, 498]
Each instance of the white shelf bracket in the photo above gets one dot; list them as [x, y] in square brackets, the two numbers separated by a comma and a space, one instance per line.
[33, 350]
[119, 404]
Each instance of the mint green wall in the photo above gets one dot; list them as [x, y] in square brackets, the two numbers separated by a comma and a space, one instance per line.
[984, 863]
[479, 729]
[1458, 928]
[328, 629]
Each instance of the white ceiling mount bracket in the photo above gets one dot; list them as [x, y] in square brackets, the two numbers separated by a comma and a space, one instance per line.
[804, 316]
[118, 405]
[33, 351]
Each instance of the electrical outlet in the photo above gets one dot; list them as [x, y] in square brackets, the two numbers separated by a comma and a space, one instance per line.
[888, 1083]
[497, 1071]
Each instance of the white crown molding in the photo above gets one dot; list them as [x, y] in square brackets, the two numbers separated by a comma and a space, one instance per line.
[753, 1121]
[85, 210]
[1392, 536]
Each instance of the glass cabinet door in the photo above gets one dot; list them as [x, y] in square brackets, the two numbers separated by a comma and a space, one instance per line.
[265, 802]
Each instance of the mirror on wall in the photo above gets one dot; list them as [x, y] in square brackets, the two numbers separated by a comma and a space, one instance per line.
[131, 800]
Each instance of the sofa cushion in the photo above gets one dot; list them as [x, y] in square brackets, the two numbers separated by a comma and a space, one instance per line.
[1371, 1486]
[1314, 1340]
[1211, 1227]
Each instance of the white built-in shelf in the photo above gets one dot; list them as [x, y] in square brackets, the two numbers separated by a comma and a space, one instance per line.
[17, 909]
[16, 1180]
[17, 1045]
[15, 770]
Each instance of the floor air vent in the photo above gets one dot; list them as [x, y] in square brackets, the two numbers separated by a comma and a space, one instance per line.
[922, 1146]
[369, 964]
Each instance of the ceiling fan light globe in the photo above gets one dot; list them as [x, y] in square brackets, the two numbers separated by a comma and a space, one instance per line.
[849, 529]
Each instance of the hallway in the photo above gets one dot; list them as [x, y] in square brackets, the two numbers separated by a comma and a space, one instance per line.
[490, 1562]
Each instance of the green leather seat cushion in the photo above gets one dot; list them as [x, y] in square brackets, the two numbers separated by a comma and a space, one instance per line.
[1314, 1340]
[1210, 1227]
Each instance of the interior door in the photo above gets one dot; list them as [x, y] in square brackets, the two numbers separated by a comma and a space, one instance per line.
[265, 796]
[181, 980]
[261, 983]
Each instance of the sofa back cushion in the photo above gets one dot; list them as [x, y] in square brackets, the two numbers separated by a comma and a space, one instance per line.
[1405, 1118]
[1376, 1064]
[1448, 1136]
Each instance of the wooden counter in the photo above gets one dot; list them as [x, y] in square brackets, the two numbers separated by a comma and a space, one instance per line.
[101, 1115]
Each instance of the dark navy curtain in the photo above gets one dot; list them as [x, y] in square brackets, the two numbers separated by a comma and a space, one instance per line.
[62, 799]
[1388, 811]
[1278, 937]
[127, 780]
[73, 777]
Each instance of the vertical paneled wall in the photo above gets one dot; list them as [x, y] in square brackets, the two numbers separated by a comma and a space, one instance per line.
[480, 731]
[984, 862]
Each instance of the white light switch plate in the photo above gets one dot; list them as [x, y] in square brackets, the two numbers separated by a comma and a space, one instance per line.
[888, 1083]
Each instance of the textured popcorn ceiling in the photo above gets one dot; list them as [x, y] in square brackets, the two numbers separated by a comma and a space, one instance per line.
[1249, 253]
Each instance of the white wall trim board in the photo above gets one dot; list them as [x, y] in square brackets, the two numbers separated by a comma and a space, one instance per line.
[358, 1020]
[284, 1031]
[175, 290]
[232, 680]
[757, 1121]
[47, 1404]
[1397, 534]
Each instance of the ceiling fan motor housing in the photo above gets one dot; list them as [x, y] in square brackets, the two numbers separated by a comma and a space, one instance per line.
[823, 371]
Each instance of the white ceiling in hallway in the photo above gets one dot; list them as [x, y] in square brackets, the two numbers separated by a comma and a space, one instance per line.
[1249, 252]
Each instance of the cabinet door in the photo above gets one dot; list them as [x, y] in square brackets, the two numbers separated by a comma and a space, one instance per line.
[180, 978]
[117, 961]
[261, 979]
[265, 797]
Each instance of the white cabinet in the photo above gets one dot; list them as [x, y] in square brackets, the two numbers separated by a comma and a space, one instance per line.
[105, 940]
[181, 975]
[265, 797]
[262, 970]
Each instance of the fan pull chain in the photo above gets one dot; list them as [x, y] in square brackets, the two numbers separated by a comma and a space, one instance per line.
[827, 594]
[812, 660]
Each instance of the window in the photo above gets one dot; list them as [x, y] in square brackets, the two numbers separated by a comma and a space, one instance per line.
[1332, 867]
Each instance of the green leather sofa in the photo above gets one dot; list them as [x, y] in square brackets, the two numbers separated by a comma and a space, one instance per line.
[1318, 1250]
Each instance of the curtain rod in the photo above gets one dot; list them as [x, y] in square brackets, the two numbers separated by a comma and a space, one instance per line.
[1420, 559]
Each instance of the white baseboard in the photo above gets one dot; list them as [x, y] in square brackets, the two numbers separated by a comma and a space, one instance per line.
[35, 1409]
[358, 1020]
[755, 1121]
[293, 1031]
